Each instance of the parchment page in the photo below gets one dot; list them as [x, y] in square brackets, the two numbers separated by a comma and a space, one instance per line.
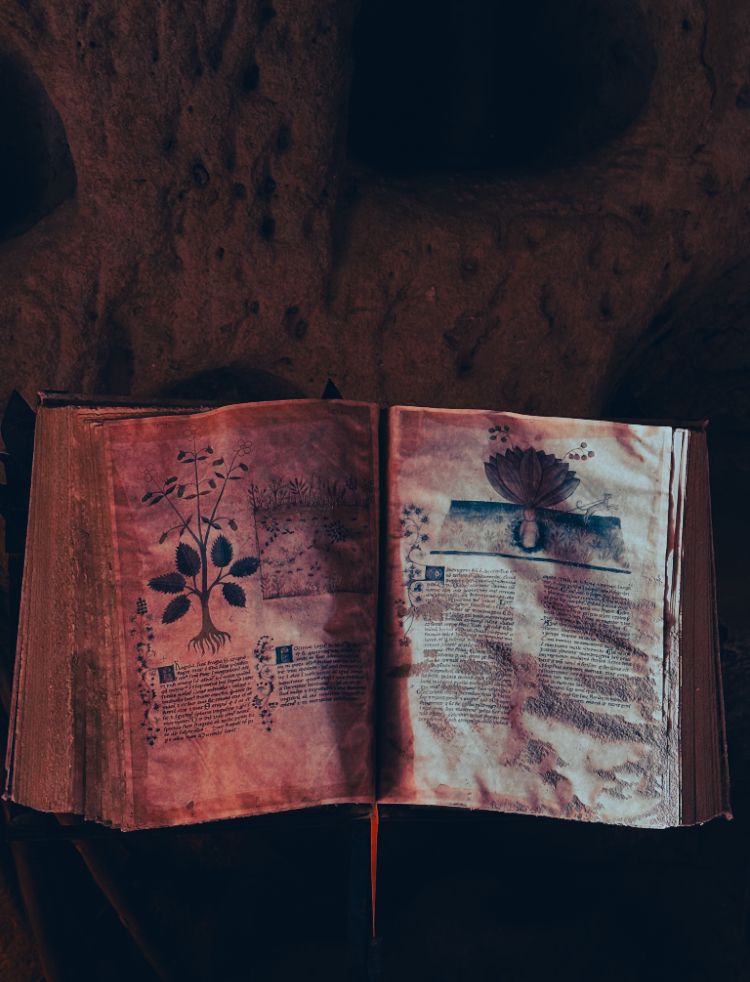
[246, 569]
[525, 660]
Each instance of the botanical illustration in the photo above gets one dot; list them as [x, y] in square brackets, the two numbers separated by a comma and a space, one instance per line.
[204, 560]
[528, 522]
[532, 479]
[141, 630]
[419, 573]
[262, 700]
[313, 535]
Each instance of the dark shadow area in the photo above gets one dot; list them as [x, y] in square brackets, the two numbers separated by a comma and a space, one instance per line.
[36, 168]
[490, 84]
[233, 384]
[265, 898]
[692, 364]
[525, 899]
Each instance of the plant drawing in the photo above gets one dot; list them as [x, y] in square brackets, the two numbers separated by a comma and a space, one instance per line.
[314, 534]
[203, 524]
[533, 479]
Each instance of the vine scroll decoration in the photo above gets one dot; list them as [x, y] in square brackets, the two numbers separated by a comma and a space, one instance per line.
[262, 700]
[413, 524]
[142, 632]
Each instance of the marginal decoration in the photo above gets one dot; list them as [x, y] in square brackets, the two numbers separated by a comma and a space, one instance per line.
[417, 570]
[265, 687]
[142, 632]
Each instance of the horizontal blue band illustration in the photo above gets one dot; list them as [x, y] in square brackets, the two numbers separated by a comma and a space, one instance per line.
[532, 559]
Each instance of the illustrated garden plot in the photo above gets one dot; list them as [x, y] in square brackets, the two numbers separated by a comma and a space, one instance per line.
[313, 537]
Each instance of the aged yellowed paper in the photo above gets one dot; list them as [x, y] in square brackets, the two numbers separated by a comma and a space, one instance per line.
[245, 563]
[525, 652]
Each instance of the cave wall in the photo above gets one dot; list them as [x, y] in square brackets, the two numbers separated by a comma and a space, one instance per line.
[210, 212]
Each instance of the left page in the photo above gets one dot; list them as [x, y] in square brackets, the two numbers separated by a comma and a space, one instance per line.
[245, 564]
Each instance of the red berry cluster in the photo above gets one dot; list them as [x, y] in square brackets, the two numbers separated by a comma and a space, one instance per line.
[581, 452]
[501, 431]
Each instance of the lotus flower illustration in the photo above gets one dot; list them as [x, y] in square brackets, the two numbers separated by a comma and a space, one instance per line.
[533, 479]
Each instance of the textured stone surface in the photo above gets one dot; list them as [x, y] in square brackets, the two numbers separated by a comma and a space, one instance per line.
[177, 196]
[216, 219]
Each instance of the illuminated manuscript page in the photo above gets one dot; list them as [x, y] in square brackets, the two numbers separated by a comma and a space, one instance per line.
[524, 663]
[245, 561]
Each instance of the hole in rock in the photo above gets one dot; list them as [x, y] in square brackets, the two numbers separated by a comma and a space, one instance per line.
[36, 168]
[694, 364]
[490, 84]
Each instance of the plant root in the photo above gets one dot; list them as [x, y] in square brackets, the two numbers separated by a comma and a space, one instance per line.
[209, 641]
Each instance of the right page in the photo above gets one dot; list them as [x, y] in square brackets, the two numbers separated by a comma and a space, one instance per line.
[528, 571]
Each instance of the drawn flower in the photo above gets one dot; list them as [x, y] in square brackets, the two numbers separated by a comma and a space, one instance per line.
[533, 479]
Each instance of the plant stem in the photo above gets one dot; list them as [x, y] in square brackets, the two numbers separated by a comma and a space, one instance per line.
[203, 542]
[221, 494]
[177, 511]
[217, 580]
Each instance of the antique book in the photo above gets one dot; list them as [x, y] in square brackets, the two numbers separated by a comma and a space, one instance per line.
[272, 606]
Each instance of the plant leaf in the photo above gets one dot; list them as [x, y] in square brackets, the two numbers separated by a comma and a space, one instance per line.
[176, 609]
[181, 454]
[218, 462]
[156, 499]
[233, 525]
[221, 551]
[244, 567]
[168, 583]
[234, 594]
[187, 559]
[170, 480]
[147, 495]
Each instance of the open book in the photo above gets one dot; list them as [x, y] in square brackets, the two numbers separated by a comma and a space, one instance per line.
[280, 605]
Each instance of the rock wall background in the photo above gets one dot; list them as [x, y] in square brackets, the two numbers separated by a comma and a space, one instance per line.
[209, 211]
[542, 211]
